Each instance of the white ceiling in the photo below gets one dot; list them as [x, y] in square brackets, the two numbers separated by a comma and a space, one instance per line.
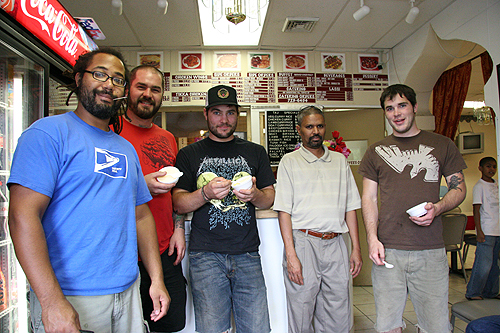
[142, 26]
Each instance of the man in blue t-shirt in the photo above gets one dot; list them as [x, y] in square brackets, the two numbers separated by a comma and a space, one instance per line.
[79, 214]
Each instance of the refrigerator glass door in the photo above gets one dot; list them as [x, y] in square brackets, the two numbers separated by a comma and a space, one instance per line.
[21, 103]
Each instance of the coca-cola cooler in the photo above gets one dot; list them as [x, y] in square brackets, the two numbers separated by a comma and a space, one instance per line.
[39, 40]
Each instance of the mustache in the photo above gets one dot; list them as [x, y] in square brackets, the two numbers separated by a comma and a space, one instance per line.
[146, 99]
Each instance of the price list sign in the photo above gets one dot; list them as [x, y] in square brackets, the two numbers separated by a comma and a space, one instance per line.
[334, 87]
[370, 82]
[166, 96]
[296, 88]
[259, 88]
[232, 79]
[281, 133]
[188, 96]
[188, 80]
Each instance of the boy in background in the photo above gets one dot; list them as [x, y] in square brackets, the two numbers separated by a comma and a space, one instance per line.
[483, 282]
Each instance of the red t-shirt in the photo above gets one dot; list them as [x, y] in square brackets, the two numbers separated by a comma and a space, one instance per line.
[156, 148]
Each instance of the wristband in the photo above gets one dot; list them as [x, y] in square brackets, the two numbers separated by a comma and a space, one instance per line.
[203, 194]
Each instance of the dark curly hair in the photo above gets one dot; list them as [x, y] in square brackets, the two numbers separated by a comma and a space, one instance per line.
[81, 66]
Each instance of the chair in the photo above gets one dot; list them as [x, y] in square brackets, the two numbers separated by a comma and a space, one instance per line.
[470, 310]
[453, 235]
[469, 239]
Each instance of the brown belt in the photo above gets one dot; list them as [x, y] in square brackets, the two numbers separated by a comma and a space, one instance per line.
[322, 235]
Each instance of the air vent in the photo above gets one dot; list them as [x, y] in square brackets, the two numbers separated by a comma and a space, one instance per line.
[299, 24]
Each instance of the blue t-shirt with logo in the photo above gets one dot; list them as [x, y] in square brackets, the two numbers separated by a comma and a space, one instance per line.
[95, 182]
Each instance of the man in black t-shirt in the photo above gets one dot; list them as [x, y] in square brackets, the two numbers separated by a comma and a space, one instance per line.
[224, 264]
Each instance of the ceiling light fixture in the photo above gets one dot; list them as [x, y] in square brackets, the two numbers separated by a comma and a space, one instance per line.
[361, 12]
[162, 6]
[413, 13]
[232, 22]
[116, 7]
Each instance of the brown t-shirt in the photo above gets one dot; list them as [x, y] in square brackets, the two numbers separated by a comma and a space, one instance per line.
[408, 172]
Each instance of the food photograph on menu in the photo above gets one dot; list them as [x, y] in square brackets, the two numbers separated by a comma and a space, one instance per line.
[368, 63]
[191, 61]
[295, 61]
[333, 62]
[227, 61]
[260, 61]
[154, 59]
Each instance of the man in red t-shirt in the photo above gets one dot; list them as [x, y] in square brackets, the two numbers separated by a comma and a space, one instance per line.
[157, 148]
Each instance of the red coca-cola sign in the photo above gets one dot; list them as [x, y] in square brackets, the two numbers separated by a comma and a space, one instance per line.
[52, 24]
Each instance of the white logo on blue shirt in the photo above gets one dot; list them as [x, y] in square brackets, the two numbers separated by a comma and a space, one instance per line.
[114, 165]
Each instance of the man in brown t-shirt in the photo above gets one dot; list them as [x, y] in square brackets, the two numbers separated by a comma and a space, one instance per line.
[407, 167]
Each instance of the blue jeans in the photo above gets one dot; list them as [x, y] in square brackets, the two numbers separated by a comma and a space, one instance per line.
[490, 324]
[221, 283]
[484, 278]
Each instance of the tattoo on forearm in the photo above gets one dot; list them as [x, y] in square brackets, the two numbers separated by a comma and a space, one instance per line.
[455, 181]
[178, 221]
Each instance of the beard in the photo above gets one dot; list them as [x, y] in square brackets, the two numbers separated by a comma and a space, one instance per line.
[213, 129]
[141, 112]
[315, 144]
[99, 110]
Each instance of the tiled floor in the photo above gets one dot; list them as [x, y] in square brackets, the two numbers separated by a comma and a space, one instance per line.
[364, 305]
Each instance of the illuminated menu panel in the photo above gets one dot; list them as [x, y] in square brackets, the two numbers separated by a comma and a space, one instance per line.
[296, 88]
[334, 87]
[188, 80]
[232, 79]
[189, 96]
[166, 95]
[370, 82]
[260, 88]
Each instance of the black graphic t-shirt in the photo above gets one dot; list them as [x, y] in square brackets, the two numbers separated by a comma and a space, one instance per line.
[408, 171]
[228, 225]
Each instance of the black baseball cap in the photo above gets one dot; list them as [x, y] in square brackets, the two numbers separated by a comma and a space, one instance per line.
[221, 95]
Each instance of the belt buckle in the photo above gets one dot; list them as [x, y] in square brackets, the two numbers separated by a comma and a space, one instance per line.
[324, 235]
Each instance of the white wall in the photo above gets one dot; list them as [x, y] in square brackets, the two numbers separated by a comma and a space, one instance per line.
[476, 21]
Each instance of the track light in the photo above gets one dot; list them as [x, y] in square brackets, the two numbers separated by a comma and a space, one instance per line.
[362, 12]
[412, 14]
[162, 6]
[116, 7]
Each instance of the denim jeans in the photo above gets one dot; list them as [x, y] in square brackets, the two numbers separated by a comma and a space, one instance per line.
[490, 324]
[484, 277]
[221, 283]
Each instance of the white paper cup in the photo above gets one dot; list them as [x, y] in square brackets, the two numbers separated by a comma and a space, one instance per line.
[172, 176]
[418, 210]
[243, 183]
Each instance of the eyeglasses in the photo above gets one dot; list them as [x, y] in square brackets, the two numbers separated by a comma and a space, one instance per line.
[103, 77]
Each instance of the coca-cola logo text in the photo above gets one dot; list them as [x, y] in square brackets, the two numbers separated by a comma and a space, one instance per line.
[63, 29]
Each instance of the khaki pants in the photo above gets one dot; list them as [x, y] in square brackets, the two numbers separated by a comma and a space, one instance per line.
[115, 313]
[324, 297]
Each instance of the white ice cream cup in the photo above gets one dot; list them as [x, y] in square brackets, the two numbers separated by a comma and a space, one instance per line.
[243, 183]
[418, 210]
[172, 176]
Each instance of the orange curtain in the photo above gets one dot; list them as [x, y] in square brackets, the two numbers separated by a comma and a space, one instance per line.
[449, 95]
[487, 67]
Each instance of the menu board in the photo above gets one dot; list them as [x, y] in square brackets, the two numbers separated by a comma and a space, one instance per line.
[232, 79]
[334, 87]
[166, 96]
[370, 82]
[189, 96]
[296, 88]
[259, 88]
[189, 80]
[282, 137]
